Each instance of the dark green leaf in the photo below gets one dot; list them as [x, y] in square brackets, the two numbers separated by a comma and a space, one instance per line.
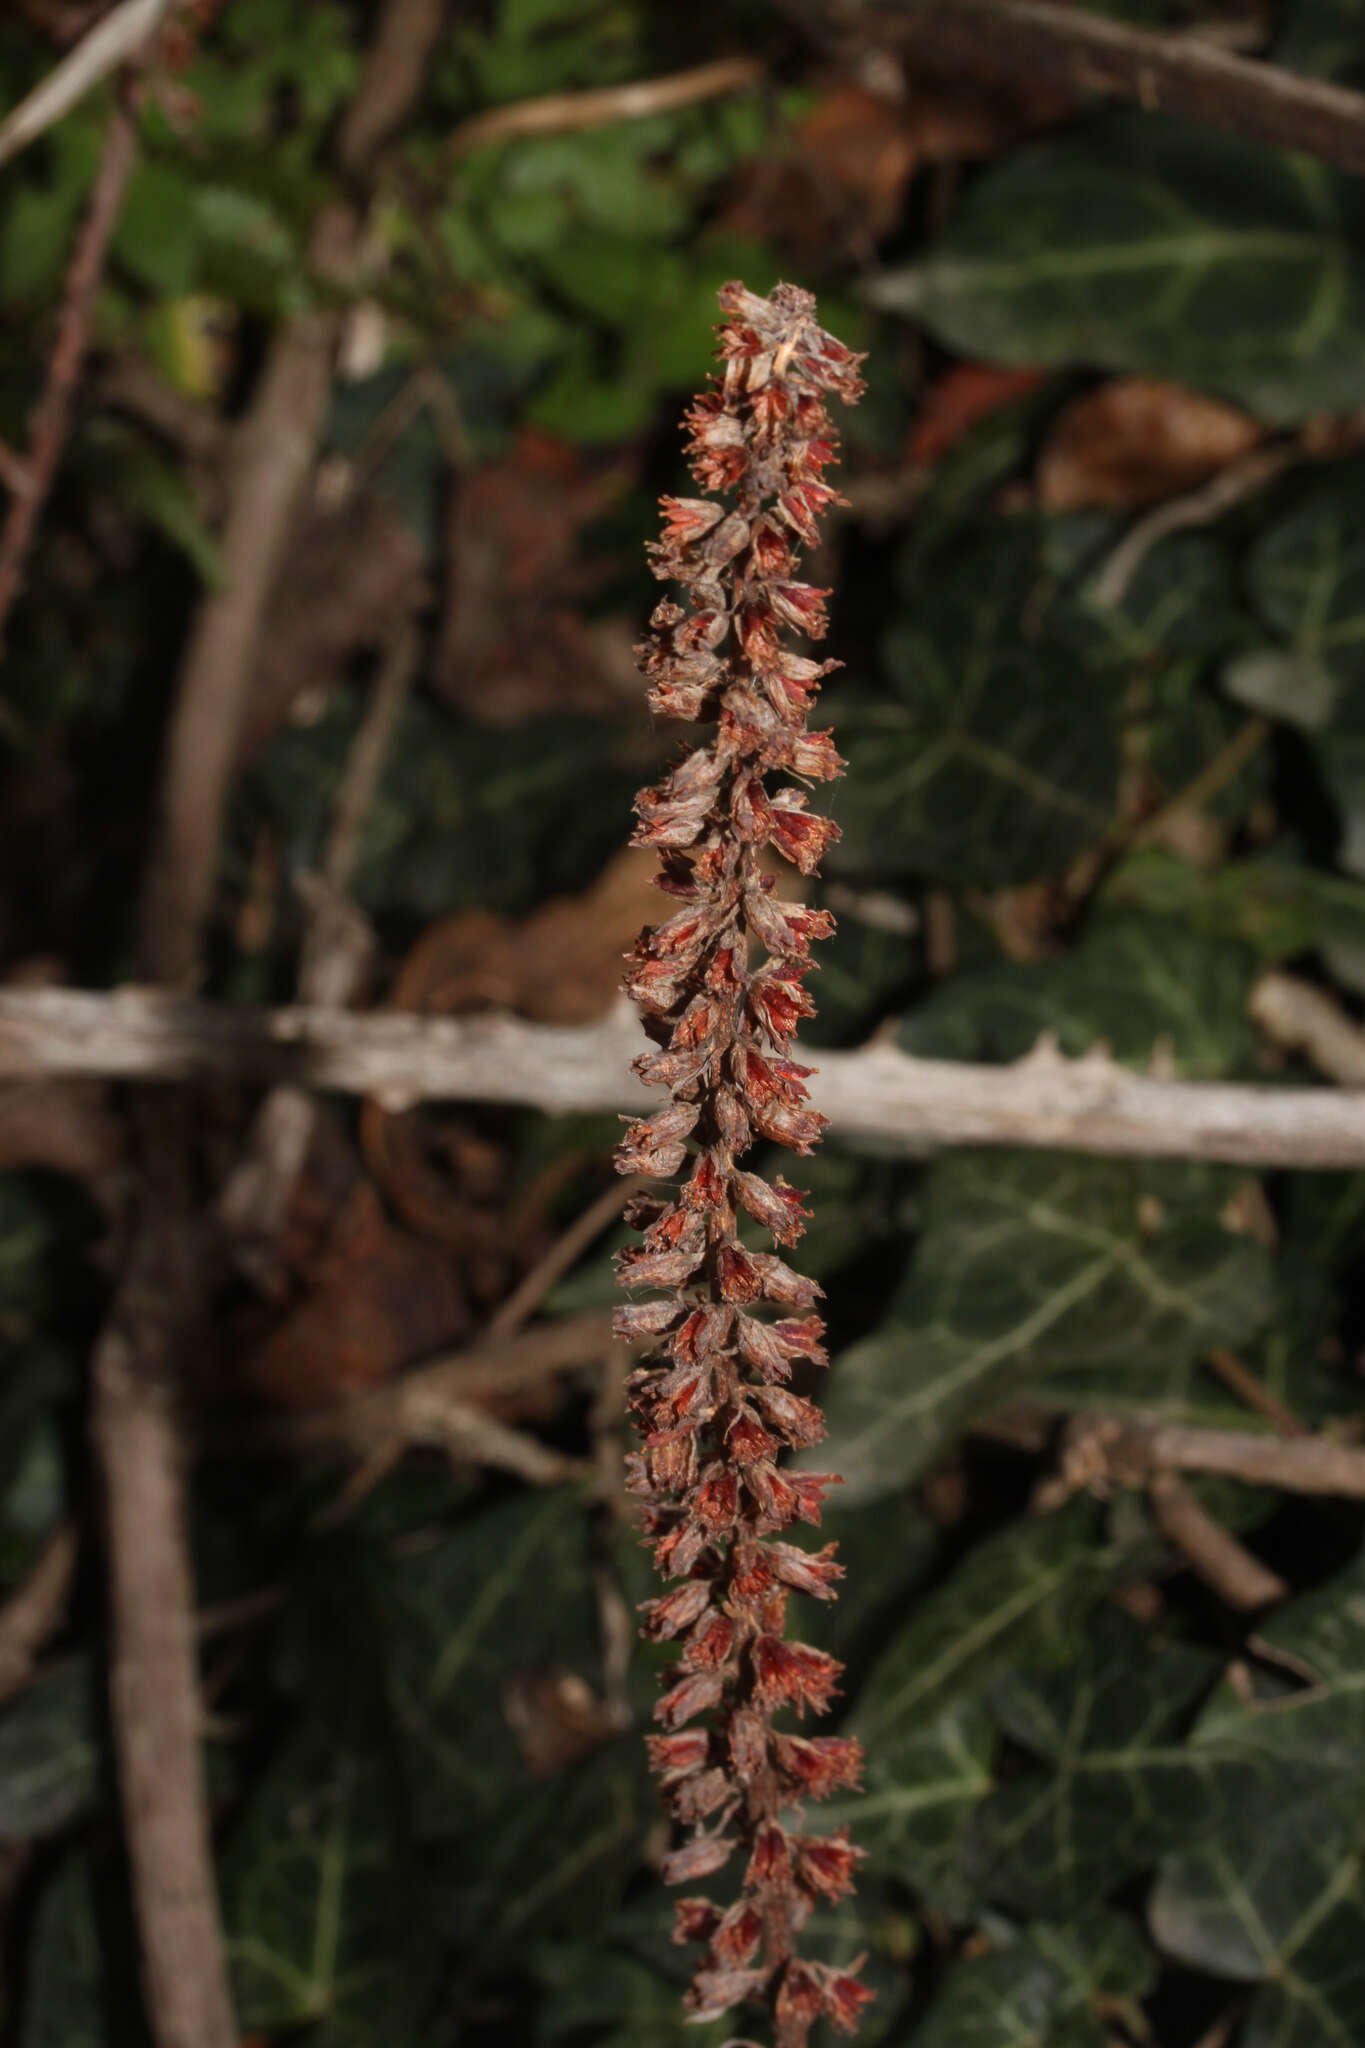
[505, 1594]
[1015, 1595]
[156, 234]
[1138, 984]
[1272, 1889]
[1087, 1280]
[1116, 1789]
[988, 758]
[1195, 256]
[321, 1925]
[1039, 1989]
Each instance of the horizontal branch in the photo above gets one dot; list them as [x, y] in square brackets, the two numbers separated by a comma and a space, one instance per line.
[1088, 53]
[1086, 1105]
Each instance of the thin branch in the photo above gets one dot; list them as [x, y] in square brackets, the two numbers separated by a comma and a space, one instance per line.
[51, 418]
[154, 1692]
[272, 457]
[878, 1092]
[1232, 486]
[112, 42]
[36, 1610]
[1301, 1464]
[561, 113]
[1305, 1019]
[440, 1403]
[1244, 1383]
[1088, 53]
[149, 1334]
[1212, 1552]
[1103, 1451]
[336, 944]
[526, 1297]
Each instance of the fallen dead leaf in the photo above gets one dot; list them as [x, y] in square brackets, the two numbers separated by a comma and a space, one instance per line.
[377, 1299]
[514, 644]
[959, 398]
[1135, 441]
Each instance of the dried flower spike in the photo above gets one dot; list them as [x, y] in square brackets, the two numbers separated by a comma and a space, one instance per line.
[720, 986]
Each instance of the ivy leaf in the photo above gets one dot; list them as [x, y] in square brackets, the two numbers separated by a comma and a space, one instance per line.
[1306, 574]
[1016, 1594]
[1040, 1989]
[913, 1816]
[1272, 1890]
[988, 759]
[1116, 1788]
[321, 1927]
[1133, 983]
[507, 1591]
[1098, 1281]
[1195, 257]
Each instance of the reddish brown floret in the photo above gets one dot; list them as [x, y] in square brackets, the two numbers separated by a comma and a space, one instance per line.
[720, 987]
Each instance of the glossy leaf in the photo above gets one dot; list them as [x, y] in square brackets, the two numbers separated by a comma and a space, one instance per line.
[1196, 257]
[1099, 1282]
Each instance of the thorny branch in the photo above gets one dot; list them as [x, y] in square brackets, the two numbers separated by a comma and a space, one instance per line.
[1085, 1105]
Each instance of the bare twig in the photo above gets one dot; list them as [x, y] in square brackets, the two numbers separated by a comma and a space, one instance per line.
[1098, 860]
[147, 1340]
[1303, 1464]
[365, 765]
[336, 941]
[1305, 1019]
[114, 41]
[526, 1297]
[1212, 1552]
[1102, 1451]
[1214, 776]
[153, 1671]
[439, 1403]
[1239, 481]
[51, 418]
[878, 1092]
[560, 113]
[273, 455]
[36, 1610]
[1088, 53]
[471, 1436]
[1244, 1383]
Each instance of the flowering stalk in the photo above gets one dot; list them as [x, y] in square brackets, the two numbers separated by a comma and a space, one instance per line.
[713, 1401]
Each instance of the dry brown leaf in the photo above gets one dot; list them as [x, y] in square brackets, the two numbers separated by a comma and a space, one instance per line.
[1135, 441]
[560, 965]
[378, 1299]
[514, 644]
[852, 157]
[954, 402]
